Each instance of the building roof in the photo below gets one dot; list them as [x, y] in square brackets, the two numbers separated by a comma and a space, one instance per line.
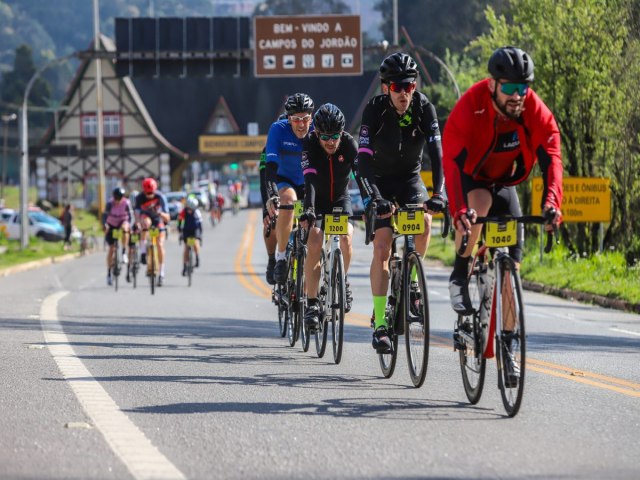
[182, 107]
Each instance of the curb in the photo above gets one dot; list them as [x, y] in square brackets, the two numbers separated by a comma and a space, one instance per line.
[39, 263]
[568, 294]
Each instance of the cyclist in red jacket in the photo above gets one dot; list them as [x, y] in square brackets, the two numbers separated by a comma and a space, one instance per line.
[495, 134]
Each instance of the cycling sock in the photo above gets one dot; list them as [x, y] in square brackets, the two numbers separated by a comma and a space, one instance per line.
[379, 307]
[272, 256]
[281, 256]
[460, 267]
[162, 269]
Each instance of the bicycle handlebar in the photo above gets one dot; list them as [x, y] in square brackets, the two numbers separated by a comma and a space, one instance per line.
[544, 219]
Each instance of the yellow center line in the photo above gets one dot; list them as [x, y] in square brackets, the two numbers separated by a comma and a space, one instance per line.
[250, 280]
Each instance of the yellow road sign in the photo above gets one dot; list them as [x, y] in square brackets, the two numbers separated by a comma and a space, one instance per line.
[584, 199]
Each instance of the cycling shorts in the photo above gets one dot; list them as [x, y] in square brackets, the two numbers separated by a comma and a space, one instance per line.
[401, 190]
[324, 208]
[284, 182]
[108, 237]
[190, 234]
[504, 201]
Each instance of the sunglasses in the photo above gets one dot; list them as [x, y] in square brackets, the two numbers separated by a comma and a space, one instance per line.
[402, 87]
[511, 88]
[325, 137]
[297, 119]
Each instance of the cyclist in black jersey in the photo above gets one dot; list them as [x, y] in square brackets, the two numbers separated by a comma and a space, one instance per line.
[328, 155]
[394, 129]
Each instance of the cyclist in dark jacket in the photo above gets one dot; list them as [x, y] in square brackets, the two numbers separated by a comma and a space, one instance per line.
[394, 130]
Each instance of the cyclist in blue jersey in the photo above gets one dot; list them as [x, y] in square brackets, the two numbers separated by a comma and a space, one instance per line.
[285, 181]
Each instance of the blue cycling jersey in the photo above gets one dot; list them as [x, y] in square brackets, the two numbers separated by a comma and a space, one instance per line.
[285, 150]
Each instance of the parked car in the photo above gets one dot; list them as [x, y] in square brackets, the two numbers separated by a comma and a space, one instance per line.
[41, 225]
[175, 203]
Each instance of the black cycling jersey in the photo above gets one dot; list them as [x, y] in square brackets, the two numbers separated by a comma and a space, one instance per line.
[387, 149]
[326, 177]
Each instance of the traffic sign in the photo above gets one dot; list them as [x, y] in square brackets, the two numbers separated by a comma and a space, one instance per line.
[307, 45]
[584, 199]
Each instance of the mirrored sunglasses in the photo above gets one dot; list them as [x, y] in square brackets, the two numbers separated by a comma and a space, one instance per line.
[298, 119]
[510, 88]
[402, 87]
[326, 136]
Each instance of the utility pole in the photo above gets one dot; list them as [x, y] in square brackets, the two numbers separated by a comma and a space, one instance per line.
[99, 119]
[5, 120]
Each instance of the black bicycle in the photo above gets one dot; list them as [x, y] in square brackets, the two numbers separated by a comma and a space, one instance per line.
[498, 311]
[291, 298]
[407, 306]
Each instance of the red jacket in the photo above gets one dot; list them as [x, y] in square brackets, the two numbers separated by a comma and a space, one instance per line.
[470, 135]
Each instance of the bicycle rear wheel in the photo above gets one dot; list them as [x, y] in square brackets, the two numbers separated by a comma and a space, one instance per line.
[337, 308]
[511, 346]
[321, 333]
[416, 319]
[283, 320]
[470, 333]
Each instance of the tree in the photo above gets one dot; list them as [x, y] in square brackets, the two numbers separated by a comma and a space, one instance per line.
[300, 7]
[587, 60]
[14, 84]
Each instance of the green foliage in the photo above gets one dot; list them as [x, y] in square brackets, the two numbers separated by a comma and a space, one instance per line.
[301, 7]
[604, 274]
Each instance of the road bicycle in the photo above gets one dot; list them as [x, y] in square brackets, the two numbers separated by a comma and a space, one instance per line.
[290, 296]
[407, 306]
[134, 262]
[116, 259]
[152, 258]
[190, 241]
[495, 291]
[332, 292]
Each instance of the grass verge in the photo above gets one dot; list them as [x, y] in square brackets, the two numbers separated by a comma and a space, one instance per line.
[605, 274]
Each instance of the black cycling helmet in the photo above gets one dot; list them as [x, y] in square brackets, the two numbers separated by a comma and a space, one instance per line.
[118, 193]
[397, 67]
[328, 119]
[512, 64]
[298, 103]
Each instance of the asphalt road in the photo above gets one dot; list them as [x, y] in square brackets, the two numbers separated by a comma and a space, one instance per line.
[196, 383]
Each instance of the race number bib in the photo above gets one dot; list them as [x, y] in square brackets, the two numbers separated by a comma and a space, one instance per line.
[501, 234]
[297, 208]
[191, 241]
[410, 223]
[116, 233]
[336, 224]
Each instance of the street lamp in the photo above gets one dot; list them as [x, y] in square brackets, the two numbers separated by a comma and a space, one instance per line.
[24, 143]
[5, 120]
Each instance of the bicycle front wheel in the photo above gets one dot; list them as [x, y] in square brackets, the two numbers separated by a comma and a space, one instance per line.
[151, 268]
[305, 334]
[510, 343]
[416, 319]
[283, 320]
[134, 265]
[116, 265]
[337, 308]
[470, 346]
[190, 265]
[292, 317]
[321, 333]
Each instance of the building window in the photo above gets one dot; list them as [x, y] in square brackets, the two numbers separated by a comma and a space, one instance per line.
[112, 123]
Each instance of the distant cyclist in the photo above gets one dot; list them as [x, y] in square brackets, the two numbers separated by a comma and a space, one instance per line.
[328, 155]
[151, 209]
[117, 214]
[285, 181]
[495, 134]
[394, 130]
[190, 226]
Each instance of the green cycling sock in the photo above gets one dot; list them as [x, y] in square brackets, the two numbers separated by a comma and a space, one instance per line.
[379, 308]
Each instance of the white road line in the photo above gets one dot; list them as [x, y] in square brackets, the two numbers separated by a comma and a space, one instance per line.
[143, 460]
[621, 330]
